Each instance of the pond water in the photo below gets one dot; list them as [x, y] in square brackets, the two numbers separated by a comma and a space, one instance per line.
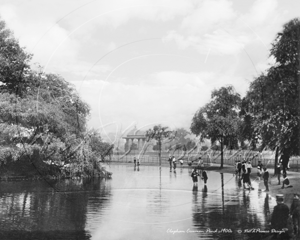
[145, 203]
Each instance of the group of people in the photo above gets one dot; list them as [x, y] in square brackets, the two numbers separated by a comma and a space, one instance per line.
[199, 171]
[243, 170]
[136, 162]
[195, 174]
[245, 167]
[281, 215]
[173, 162]
[265, 174]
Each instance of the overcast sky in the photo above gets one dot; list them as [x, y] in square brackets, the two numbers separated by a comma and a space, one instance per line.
[144, 62]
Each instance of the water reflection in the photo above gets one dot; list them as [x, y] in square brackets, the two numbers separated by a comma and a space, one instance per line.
[33, 207]
[267, 208]
[222, 184]
[204, 192]
[137, 203]
[230, 210]
[239, 181]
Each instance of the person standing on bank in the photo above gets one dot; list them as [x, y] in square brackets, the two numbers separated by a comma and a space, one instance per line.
[266, 179]
[259, 169]
[284, 163]
[279, 219]
[278, 172]
[286, 182]
[195, 176]
[295, 213]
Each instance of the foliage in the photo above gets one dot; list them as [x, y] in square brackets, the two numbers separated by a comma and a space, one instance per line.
[14, 62]
[132, 146]
[159, 133]
[99, 147]
[42, 117]
[182, 137]
[219, 120]
[204, 148]
[272, 102]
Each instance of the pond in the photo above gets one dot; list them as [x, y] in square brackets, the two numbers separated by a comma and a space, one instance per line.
[137, 203]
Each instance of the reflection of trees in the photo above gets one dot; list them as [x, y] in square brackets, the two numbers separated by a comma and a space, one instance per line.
[158, 202]
[42, 209]
[267, 208]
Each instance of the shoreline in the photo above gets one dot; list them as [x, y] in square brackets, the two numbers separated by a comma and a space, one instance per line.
[274, 188]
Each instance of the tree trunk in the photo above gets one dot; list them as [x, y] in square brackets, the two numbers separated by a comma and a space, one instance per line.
[222, 160]
[285, 159]
[276, 159]
[159, 152]
[298, 89]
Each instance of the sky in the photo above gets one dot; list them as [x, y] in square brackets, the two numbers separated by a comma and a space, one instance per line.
[146, 62]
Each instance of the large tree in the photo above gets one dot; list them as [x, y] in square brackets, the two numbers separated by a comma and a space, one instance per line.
[218, 120]
[14, 62]
[273, 100]
[42, 117]
[158, 133]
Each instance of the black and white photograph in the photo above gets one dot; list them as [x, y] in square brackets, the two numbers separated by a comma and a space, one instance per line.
[149, 119]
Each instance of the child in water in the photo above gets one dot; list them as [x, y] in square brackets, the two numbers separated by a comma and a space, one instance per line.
[194, 176]
[246, 181]
[174, 163]
[204, 176]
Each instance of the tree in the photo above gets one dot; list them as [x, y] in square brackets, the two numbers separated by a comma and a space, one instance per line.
[42, 117]
[158, 133]
[100, 148]
[180, 141]
[181, 136]
[273, 100]
[14, 62]
[218, 120]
